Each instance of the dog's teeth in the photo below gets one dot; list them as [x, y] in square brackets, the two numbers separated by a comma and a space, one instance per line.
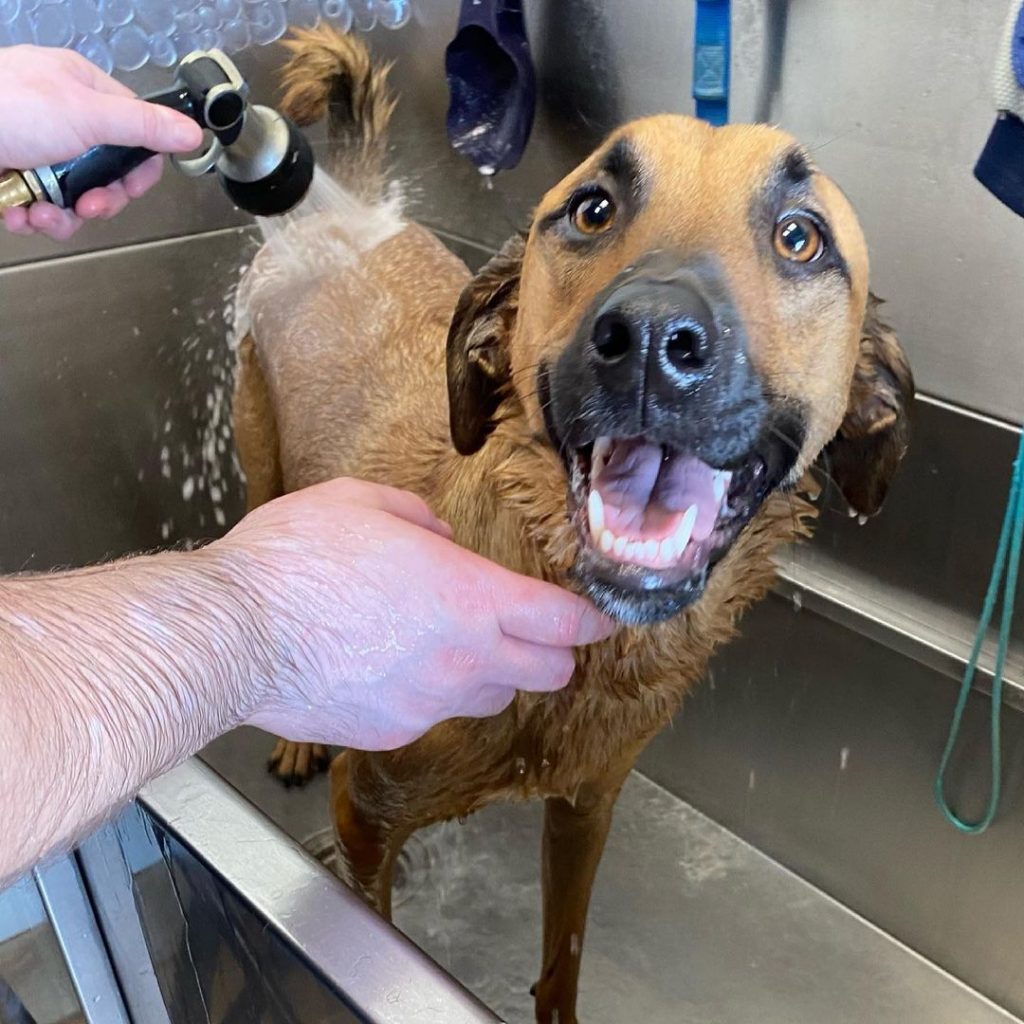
[667, 550]
[595, 511]
[651, 551]
[607, 541]
[600, 453]
[634, 550]
[620, 546]
[685, 529]
[720, 483]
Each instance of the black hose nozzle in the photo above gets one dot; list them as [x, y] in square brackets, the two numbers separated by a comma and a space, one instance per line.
[263, 161]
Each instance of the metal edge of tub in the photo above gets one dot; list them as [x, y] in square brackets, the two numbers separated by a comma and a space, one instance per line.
[369, 962]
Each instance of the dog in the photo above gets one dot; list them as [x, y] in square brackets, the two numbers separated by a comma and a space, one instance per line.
[628, 399]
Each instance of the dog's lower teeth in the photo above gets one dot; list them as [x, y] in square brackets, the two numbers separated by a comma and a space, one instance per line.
[652, 553]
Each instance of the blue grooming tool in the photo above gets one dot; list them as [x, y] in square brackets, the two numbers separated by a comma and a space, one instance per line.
[491, 83]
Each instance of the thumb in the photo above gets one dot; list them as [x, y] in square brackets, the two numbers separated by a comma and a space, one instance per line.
[127, 121]
[542, 613]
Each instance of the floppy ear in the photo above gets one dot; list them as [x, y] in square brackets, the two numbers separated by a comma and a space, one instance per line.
[477, 356]
[865, 453]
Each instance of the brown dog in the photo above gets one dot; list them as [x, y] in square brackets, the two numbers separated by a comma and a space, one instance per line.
[683, 331]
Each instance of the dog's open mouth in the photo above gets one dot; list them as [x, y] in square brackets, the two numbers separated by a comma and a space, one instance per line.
[653, 521]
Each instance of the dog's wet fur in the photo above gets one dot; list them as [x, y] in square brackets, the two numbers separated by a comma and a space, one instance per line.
[685, 328]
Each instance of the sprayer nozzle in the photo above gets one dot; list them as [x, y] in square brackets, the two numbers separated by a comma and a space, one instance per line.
[15, 190]
[280, 187]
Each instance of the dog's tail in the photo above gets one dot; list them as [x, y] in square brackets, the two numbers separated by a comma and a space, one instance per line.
[332, 73]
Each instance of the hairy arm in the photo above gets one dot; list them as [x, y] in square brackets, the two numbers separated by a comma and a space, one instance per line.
[342, 613]
[109, 676]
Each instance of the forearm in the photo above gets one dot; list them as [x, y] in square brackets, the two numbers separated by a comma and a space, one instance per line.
[109, 676]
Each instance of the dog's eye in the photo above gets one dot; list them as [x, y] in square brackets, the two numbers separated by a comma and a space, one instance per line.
[798, 238]
[592, 212]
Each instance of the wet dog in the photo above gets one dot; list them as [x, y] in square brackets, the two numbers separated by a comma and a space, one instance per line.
[626, 399]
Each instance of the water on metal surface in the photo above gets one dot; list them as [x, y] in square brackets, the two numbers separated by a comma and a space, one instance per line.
[688, 923]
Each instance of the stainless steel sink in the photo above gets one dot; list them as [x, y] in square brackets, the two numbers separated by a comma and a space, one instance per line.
[688, 923]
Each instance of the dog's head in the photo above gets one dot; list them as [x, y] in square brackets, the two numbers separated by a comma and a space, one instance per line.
[687, 325]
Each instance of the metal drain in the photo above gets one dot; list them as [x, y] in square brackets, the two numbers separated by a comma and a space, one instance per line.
[414, 868]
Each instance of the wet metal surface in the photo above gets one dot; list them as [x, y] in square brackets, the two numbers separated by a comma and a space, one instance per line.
[271, 934]
[689, 924]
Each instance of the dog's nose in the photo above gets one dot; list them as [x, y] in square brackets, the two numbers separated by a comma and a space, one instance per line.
[660, 332]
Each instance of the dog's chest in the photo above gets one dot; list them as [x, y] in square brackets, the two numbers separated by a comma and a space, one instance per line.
[565, 740]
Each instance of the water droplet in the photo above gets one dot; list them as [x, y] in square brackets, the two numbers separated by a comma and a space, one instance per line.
[392, 13]
[95, 49]
[862, 520]
[798, 601]
[267, 23]
[9, 10]
[116, 12]
[162, 52]
[487, 170]
[337, 11]
[520, 766]
[155, 16]
[236, 36]
[85, 16]
[130, 47]
[208, 16]
[52, 26]
[185, 42]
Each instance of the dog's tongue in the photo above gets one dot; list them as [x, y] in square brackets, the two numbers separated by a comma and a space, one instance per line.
[646, 490]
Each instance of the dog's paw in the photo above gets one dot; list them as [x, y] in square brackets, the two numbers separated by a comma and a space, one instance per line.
[552, 1016]
[547, 1008]
[295, 764]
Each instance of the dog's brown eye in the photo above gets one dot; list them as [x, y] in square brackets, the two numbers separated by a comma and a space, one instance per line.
[593, 213]
[798, 238]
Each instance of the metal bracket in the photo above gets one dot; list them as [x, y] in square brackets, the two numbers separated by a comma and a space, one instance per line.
[70, 912]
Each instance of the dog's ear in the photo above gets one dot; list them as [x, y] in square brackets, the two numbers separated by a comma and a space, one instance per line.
[478, 357]
[872, 439]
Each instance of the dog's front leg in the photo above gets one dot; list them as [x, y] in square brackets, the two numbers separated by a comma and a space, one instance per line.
[368, 840]
[574, 838]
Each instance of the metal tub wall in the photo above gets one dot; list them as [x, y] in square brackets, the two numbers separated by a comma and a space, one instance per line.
[105, 378]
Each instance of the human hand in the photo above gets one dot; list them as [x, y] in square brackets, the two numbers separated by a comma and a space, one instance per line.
[56, 106]
[374, 626]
